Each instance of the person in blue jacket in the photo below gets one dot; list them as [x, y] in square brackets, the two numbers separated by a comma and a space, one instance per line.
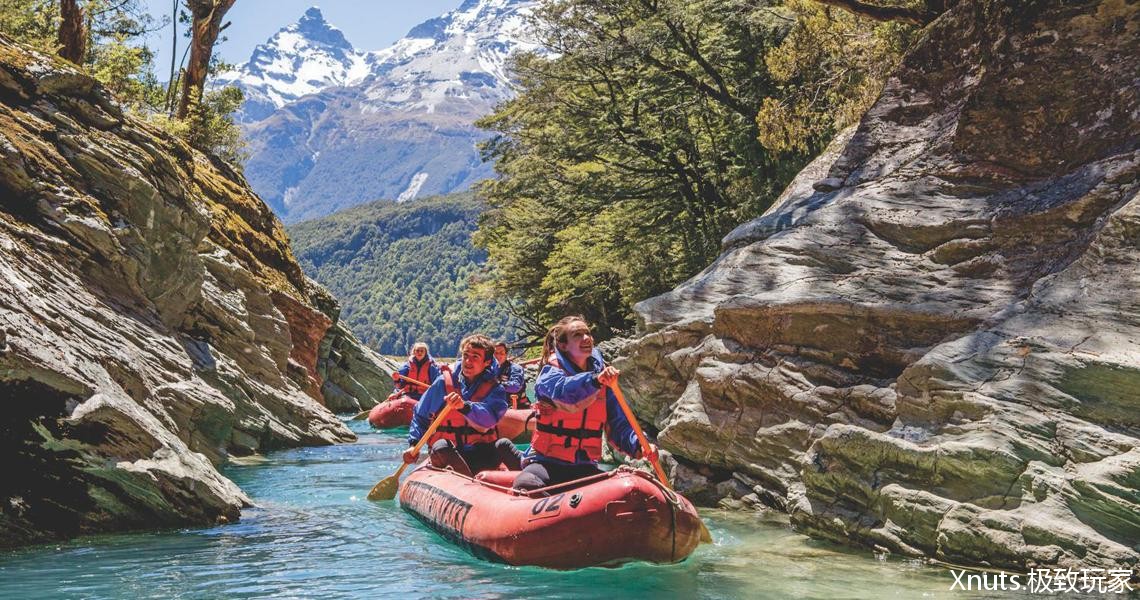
[420, 367]
[513, 378]
[575, 405]
[467, 440]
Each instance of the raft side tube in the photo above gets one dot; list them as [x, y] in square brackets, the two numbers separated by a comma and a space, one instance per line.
[606, 519]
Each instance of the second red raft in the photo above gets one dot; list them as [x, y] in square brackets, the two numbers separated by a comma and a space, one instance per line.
[608, 519]
[396, 411]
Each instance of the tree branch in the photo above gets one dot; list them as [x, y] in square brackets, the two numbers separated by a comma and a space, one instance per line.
[883, 13]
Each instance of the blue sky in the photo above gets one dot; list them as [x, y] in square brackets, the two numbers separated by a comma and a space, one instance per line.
[368, 24]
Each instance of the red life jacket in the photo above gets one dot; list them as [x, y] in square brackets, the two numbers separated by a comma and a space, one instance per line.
[455, 426]
[420, 373]
[561, 433]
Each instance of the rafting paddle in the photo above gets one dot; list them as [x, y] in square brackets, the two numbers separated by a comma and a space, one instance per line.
[360, 416]
[415, 381]
[386, 488]
[706, 537]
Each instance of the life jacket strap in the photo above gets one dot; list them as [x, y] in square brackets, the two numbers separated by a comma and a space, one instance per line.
[461, 433]
[449, 384]
[580, 432]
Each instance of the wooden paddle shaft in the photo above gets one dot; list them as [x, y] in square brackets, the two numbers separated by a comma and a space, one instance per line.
[434, 425]
[427, 434]
[415, 381]
[640, 435]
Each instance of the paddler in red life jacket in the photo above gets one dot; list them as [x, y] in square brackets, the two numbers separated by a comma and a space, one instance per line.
[513, 378]
[575, 405]
[421, 367]
[467, 441]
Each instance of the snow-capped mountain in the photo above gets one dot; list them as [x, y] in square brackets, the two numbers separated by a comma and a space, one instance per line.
[303, 58]
[459, 56]
[394, 123]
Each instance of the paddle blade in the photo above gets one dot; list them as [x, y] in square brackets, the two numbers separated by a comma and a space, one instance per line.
[706, 536]
[386, 489]
[360, 416]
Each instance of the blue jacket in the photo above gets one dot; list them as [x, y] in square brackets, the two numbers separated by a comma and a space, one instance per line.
[568, 389]
[514, 379]
[412, 390]
[483, 415]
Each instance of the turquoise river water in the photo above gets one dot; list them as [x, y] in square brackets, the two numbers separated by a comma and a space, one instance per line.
[313, 534]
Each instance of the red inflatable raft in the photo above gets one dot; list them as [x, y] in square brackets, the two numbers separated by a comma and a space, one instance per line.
[517, 424]
[396, 411]
[604, 520]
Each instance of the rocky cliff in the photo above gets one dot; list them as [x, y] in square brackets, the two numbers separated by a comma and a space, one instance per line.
[153, 320]
[931, 343]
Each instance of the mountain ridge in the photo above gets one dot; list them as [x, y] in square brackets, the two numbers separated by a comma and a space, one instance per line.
[401, 130]
[300, 59]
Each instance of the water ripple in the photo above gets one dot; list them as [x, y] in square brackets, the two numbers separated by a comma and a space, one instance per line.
[312, 533]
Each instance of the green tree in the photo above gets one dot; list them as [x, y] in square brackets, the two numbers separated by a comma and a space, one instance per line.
[206, 23]
[831, 67]
[113, 53]
[210, 125]
[32, 22]
[649, 131]
[125, 70]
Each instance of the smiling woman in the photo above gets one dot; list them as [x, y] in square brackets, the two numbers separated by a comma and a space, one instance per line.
[576, 405]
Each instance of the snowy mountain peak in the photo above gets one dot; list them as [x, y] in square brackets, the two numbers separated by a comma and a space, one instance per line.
[460, 55]
[302, 58]
[452, 63]
[314, 27]
[401, 124]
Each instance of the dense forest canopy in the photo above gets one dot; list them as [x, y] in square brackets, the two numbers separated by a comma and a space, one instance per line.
[658, 126]
[403, 272]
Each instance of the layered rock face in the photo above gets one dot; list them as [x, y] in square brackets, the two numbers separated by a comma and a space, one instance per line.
[153, 320]
[931, 343]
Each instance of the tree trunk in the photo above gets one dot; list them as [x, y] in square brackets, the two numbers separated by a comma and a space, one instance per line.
[206, 22]
[171, 83]
[72, 31]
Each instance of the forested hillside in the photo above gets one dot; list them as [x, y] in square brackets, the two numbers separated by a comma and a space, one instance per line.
[403, 271]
